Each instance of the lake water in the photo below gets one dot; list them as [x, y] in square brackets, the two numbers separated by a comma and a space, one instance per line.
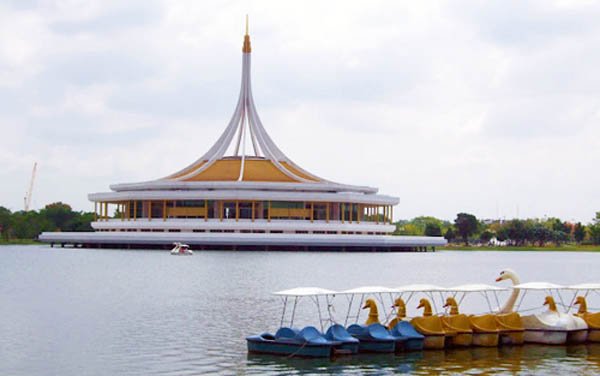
[103, 312]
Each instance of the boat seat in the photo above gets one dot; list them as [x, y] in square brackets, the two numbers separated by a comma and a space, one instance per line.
[311, 334]
[592, 320]
[510, 322]
[268, 336]
[405, 329]
[484, 324]
[337, 332]
[379, 331]
[457, 323]
[429, 325]
[285, 332]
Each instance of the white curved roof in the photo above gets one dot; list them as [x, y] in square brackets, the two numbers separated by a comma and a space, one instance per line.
[538, 286]
[305, 291]
[419, 288]
[475, 287]
[232, 194]
[241, 185]
[584, 286]
[368, 290]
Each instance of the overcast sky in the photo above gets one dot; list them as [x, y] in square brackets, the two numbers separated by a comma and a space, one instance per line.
[487, 107]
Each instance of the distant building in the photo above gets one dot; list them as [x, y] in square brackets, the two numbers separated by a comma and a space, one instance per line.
[245, 193]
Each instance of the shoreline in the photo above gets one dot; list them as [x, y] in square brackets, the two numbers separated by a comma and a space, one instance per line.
[553, 248]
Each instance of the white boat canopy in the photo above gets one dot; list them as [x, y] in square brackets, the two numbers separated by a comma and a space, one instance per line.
[584, 286]
[538, 286]
[419, 288]
[305, 291]
[368, 290]
[475, 287]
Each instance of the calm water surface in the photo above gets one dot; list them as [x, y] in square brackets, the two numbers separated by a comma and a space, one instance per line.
[99, 312]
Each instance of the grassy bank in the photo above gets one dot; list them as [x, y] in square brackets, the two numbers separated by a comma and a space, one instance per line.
[19, 242]
[548, 248]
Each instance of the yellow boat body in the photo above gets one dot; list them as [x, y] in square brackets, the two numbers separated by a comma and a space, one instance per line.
[460, 325]
[432, 328]
[512, 331]
[593, 322]
[485, 330]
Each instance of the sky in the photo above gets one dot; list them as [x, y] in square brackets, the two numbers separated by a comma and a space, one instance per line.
[491, 108]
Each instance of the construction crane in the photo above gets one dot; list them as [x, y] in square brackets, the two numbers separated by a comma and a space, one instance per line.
[27, 198]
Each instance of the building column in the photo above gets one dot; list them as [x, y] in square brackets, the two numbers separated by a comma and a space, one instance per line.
[237, 210]
[269, 212]
[342, 212]
[253, 207]
[327, 212]
[135, 210]
[149, 209]
[164, 210]
[205, 210]
[312, 212]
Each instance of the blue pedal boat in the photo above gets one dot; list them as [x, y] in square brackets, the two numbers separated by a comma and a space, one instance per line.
[413, 340]
[373, 338]
[346, 343]
[308, 342]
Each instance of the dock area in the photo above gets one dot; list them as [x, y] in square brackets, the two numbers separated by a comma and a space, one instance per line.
[244, 241]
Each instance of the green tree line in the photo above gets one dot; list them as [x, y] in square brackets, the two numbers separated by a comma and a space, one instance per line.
[27, 225]
[466, 228]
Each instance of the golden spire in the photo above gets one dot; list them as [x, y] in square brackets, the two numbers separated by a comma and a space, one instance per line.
[246, 49]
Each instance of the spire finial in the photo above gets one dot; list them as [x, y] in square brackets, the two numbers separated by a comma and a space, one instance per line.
[246, 49]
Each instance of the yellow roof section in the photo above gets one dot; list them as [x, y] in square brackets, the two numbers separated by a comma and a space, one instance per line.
[254, 170]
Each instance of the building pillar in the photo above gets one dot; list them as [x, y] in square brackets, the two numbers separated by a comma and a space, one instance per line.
[312, 212]
[237, 210]
[205, 210]
[149, 209]
[269, 212]
[134, 210]
[327, 212]
[164, 210]
[253, 206]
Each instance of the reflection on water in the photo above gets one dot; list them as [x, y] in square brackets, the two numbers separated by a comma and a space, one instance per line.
[101, 312]
[528, 359]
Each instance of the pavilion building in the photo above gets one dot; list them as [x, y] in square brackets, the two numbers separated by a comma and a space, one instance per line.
[244, 193]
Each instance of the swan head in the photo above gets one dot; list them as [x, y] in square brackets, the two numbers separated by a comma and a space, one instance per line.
[370, 303]
[581, 302]
[423, 303]
[450, 302]
[401, 307]
[507, 274]
[549, 301]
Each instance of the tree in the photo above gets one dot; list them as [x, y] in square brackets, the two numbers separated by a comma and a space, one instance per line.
[579, 232]
[433, 229]
[486, 236]
[5, 220]
[59, 214]
[449, 235]
[594, 229]
[466, 225]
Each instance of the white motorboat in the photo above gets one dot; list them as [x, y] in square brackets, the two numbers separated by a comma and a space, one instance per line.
[181, 250]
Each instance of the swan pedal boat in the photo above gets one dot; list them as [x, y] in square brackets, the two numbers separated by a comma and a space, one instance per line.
[407, 337]
[551, 327]
[181, 250]
[308, 342]
[431, 327]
